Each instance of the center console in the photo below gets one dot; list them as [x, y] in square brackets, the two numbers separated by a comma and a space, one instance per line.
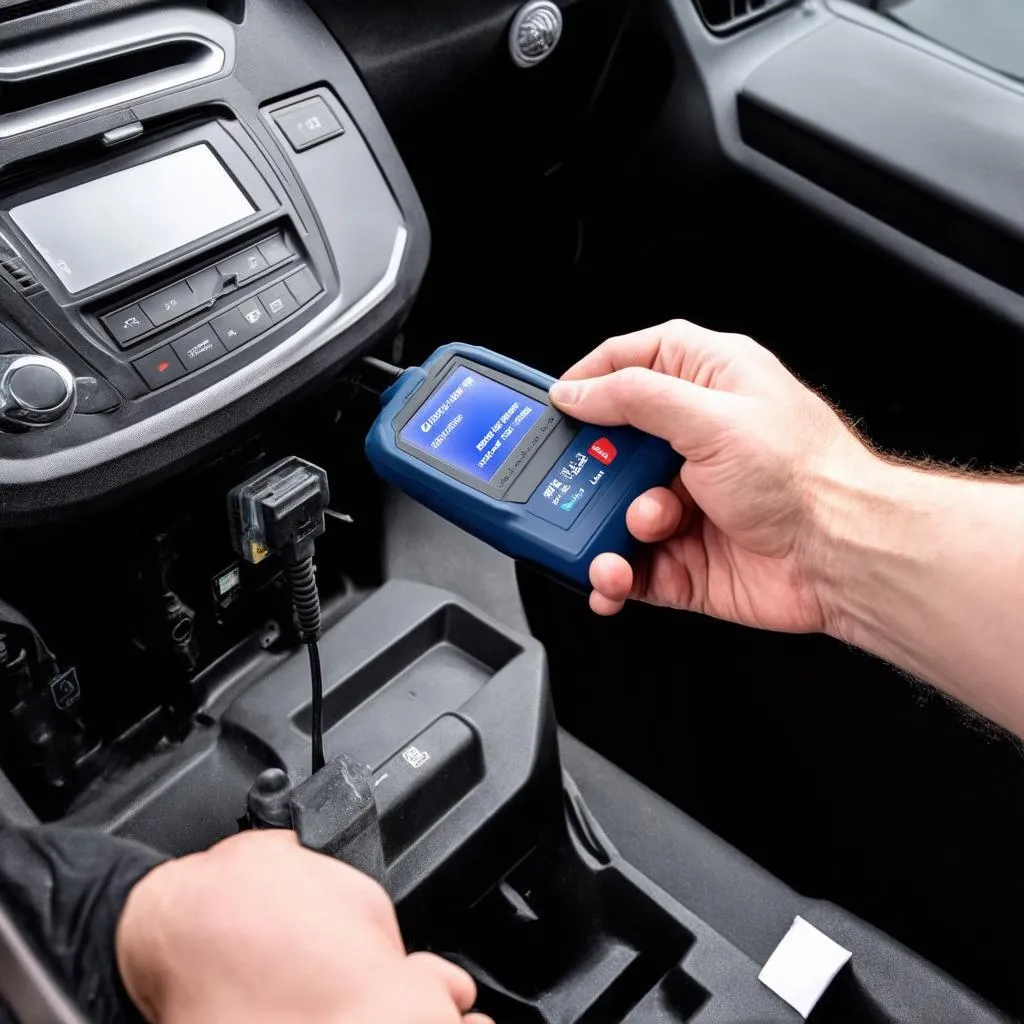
[201, 214]
[490, 847]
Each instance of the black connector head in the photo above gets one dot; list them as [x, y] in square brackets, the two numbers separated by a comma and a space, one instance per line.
[279, 510]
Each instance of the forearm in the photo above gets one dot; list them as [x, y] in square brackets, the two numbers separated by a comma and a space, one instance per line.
[65, 888]
[926, 569]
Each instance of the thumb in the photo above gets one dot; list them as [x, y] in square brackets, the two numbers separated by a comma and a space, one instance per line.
[686, 415]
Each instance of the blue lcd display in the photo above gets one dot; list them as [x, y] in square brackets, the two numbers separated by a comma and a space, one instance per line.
[472, 423]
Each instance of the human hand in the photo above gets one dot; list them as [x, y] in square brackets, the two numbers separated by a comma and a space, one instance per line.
[258, 929]
[739, 535]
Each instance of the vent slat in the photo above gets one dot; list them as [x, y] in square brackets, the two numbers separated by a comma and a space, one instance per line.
[726, 14]
[17, 272]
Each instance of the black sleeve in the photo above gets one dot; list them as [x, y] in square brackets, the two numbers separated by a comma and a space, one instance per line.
[66, 888]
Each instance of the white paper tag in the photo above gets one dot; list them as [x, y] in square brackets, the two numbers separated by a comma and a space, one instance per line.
[803, 966]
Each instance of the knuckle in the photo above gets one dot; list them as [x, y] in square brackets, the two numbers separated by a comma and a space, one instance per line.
[630, 381]
[741, 341]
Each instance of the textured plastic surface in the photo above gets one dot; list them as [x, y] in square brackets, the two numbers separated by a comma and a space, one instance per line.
[406, 660]
[511, 526]
[576, 934]
[749, 908]
[886, 139]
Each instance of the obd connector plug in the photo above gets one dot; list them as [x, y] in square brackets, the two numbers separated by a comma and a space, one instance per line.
[281, 511]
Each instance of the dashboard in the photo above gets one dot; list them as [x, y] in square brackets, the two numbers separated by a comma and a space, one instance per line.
[175, 264]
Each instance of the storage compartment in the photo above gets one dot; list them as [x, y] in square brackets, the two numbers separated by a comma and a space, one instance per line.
[437, 666]
[558, 942]
[575, 935]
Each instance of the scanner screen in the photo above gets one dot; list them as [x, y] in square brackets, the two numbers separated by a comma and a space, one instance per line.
[472, 423]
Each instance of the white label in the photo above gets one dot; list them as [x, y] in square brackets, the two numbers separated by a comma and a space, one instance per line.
[414, 757]
[803, 966]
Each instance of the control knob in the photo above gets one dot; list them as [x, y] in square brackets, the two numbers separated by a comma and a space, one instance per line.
[35, 391]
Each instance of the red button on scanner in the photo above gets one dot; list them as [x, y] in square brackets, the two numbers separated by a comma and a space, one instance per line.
[603, 450]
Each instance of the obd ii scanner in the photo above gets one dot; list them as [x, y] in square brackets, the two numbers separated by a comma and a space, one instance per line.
[474, 436]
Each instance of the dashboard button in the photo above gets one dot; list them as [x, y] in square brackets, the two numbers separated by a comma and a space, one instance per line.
[254, 315]
[278, 302]
[199, 347]
[244, 265]
[303, 285]
[233, 329]
[241, 324]
[307, 123]
[275, 250]
[169, 304]
[127, 324]
[160, 367]
[205, 285]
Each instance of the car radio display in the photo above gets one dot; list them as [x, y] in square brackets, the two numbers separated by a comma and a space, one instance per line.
[472, 423]
[102, 228]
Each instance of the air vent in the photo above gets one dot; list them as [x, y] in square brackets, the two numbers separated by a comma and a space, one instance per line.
[66, 83]
[16, 271]
[728, 15]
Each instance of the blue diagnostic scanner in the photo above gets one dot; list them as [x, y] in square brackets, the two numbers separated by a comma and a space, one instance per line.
[473, 436]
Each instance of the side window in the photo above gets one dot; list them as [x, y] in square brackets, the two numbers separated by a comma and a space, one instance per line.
[988, 31]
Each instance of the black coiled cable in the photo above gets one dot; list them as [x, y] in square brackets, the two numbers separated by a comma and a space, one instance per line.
[301, 579]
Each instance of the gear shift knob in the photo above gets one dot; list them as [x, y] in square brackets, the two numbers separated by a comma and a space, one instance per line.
[35, 391]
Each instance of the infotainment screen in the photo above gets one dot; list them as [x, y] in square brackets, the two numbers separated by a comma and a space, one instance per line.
[105, 227]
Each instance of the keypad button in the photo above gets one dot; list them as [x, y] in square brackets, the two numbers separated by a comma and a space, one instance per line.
[307, 123]
[254, 314]
[275, 250]
[278, 302]
[170, 303]
[205, 285]
[303, 285]
[128, 324]
[244, 265]
[234, 329]
[160, 367]
[199, 347]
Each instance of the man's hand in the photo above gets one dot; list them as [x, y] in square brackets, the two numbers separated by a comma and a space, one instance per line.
[735, 536]
[258, 929]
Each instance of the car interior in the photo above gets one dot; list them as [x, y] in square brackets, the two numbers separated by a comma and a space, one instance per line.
[211, 212]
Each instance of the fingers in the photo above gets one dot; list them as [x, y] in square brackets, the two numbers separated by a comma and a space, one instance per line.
[686, 415]
[477, 1018]
[604, 606]
[655, 516]
[662, 347]
[459, 984]
[638, 349]
[612, 578]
